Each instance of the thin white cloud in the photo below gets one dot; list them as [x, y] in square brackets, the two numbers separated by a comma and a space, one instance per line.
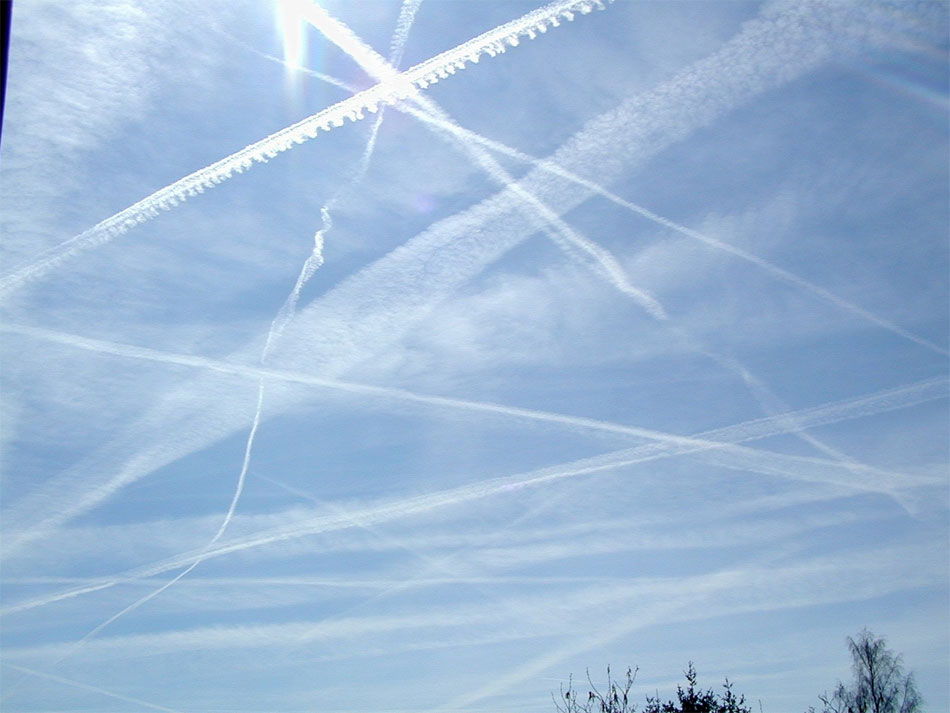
[397, 509]
[369, 311]
[394, 89]
[753, 587]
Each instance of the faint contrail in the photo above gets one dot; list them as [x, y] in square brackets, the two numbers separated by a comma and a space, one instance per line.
[261, 373]
[87, 687]
[369, 310]
[756, 583]
[391, 91]
[772, 585]
[407, 16]
[880, 402]
[386, 392]
[555, 169]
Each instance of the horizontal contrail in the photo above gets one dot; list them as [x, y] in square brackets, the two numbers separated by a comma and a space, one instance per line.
[368, 311]
[753, 585]
[737, 456]
[889, 400]
[388, 92]
[378, 68]
[751, 589]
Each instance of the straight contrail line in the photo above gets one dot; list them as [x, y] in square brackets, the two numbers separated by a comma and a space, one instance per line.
[880, 402]
[555, 169]
[262, 373]
[380, 69]
[88, 687]
[383, 299]
[396, 88]
[284, 316]
[563, 235]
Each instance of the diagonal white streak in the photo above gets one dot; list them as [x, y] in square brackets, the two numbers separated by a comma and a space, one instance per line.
[369, 311]
[372, 62]
[398, 87]
[88, 687]
[284, 316]
[389, 393]
[893, 399]
[555, 169]
[759, 584]
[563, 235]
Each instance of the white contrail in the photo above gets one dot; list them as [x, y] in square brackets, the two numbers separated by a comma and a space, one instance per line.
[372, 62]
[284, 316]
[407, 16]
[553, 168]
[563, 235]
[87, 687]
[880, 402]
[287, 311]
[753, 589]
[262, 373]
[368, 311]
[758, 583]
[389, 92]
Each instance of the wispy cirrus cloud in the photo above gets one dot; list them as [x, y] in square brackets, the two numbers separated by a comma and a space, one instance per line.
[477, 466]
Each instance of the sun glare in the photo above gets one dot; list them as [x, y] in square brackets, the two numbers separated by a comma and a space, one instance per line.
[288, 18]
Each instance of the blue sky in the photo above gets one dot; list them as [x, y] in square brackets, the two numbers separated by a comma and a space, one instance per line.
[625, 346]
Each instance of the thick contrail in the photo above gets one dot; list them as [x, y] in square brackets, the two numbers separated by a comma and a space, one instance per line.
[389, 92]
[367, 312]
[564, 236]
[87, 687]
[372, 62]
[284, 316]
[553, 168]
[880, 402]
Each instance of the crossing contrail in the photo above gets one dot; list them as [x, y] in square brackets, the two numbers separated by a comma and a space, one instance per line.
[368, 311]
[721, 438]
[88, 687]
[279, 323]
[389, 92]
[564, 236]
[380, 69]
[553, 168]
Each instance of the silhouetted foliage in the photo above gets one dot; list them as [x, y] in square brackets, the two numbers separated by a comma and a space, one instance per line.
[880, 685]
[693, 699]
[616, 698]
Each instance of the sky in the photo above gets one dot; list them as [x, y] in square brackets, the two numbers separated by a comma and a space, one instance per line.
[626, 345]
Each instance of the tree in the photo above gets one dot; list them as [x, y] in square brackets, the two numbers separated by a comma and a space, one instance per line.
[693, 699]
[616, 698]
[880, 685]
